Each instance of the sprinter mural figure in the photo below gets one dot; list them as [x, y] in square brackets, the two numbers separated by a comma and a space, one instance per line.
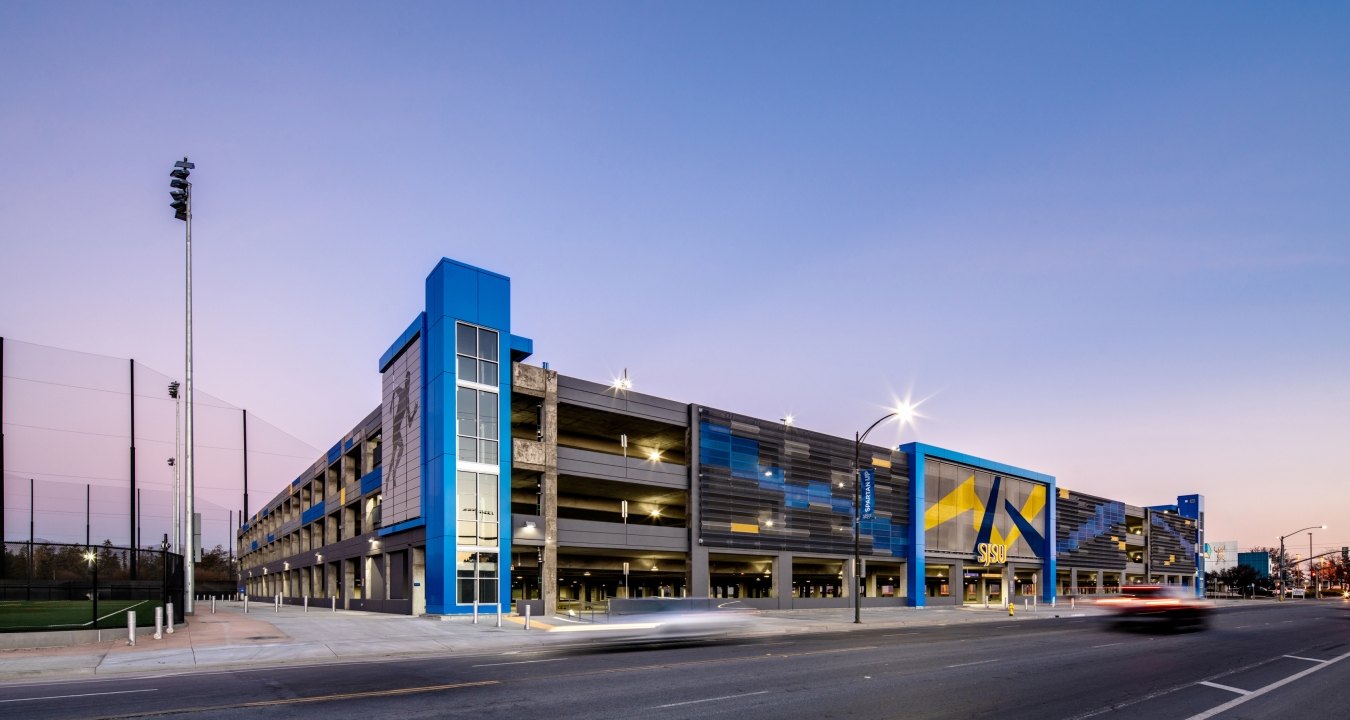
[405, 414]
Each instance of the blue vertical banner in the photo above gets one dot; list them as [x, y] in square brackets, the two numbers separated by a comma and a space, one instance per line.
[868, 489]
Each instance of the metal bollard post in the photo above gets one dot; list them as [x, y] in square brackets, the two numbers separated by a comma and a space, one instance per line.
[131, 628]
[213, 604]
[475, 612]
[334, 603]
[306, 603]
[527, 616]
[168, 621]
[1073, 602]
[499, 614]
[276, 604]
[245, 604]
[159, 623]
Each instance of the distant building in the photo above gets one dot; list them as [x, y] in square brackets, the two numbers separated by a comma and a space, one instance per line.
[1258, 560]
[1221, 555]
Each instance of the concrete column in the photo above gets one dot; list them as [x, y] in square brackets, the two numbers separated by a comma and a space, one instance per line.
[850, 580]
[1101, 576]
[548, 580]
[1073, 581]
[782, 580]
[956, 580]
[700, 579]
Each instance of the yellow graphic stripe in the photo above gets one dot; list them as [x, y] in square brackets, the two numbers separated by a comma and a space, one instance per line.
[1030, 510]
[745, 527]
[962, 499]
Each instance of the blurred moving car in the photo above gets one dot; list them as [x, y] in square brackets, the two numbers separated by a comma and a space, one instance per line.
[1162, 604]
[662, 625]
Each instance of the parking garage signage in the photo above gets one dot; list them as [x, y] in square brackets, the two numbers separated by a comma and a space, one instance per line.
[991, 554]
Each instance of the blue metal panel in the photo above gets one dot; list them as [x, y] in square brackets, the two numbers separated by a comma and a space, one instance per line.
[405, 525]
[407, 336]
[521, 348]
[334, 453]
[371, 481]
[971, 460]
[271, 537]
[313, 513]
[916, 565]
[494, 308]
[348, 445]
[255, 545]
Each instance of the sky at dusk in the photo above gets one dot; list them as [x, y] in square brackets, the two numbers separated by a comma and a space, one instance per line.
[1108, 242]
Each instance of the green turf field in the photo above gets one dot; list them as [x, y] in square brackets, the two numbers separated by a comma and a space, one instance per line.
[29, 616]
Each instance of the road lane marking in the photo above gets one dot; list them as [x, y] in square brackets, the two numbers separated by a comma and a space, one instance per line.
[355, 695]
[64, 697]
[1296, 657]
[827, 652]
[517, 662]
[977, 662]
[1273, 686]
[899, 634]
[1229, 688]
[1109, 644]
[695, 702]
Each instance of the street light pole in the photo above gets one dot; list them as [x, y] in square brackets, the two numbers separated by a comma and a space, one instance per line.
[1281, 584]
[904, 412]
[182, 205]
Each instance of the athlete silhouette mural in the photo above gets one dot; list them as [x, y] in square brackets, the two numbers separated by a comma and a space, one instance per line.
[405, 414]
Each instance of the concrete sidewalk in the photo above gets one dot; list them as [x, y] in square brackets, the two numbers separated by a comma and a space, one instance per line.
[231, 639]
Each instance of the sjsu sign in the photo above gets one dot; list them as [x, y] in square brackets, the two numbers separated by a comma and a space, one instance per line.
[990, 554]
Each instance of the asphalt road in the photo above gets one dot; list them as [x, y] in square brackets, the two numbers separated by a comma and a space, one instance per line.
[1263, 661]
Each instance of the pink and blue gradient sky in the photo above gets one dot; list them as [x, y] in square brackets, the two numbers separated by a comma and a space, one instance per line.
[1106, 242]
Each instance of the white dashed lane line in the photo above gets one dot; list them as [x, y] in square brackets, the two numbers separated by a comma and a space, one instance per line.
[1321, 665]
[1229, 688]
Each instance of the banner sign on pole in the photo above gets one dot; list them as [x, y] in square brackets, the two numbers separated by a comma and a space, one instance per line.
[869, 493]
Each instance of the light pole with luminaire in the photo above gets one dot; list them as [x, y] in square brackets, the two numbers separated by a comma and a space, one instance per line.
[91, 557]
[1282, 537]
[181, 193]
[905, 412]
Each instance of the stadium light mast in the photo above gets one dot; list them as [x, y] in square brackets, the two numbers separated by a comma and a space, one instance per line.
[181, 192]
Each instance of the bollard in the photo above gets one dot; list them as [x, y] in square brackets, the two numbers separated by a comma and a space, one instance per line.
[527, 616]
[131, 628]
[499, 614]
[1026, 604]
[1073, 602]
[306, 603]
[276, 604]
[334, 603]
[168, 621]
[245, 604]
[475, 612]
[213, 604]
[159, 623]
